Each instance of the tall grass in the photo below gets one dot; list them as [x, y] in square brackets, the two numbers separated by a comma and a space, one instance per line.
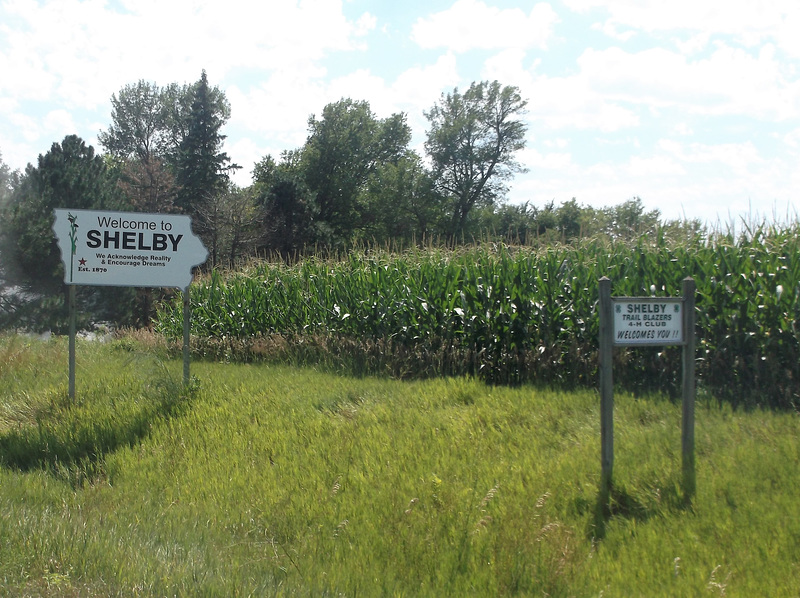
[274, 481]
[512, 315]
[41, 427]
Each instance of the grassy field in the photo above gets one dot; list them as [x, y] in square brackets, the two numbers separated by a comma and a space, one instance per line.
[275, 481]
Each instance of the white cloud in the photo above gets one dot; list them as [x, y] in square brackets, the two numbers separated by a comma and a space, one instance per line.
[731, 81]
[736, 157]
[537, 161]
[792, 138]
[364, 24]
[85, 50]
[677, 71]
[570, 102]
[559, 102]
[58, 123]
[559, 143]
[747, 22]
[652, 166]
[508, 66]
[729, 17]
[471, 24]
[609, 28]
[415, 84]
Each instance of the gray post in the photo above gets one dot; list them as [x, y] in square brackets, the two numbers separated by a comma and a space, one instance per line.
[606, 389]
[689, 388]
[186, 336]
[72, 333]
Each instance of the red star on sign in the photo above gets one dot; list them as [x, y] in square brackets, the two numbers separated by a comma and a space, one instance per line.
[82, 262]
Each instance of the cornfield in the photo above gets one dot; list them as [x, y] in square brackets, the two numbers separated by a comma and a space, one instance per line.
[510, 315]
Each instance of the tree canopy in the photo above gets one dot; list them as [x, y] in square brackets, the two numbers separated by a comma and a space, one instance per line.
[355, 179]
[472, 140]
[344, 147]
[70, 174]
[202, 168]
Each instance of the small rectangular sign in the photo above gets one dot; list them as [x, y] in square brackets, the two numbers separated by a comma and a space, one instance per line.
[128, 249]
[648, 321]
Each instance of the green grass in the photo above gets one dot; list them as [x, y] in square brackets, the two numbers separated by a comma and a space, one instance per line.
[266, 480]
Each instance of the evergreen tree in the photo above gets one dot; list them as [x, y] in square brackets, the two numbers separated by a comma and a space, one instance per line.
[6, 181]
[202, 167]
[70, 175]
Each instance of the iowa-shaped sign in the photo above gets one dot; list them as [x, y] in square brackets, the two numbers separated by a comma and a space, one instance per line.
[127, 249]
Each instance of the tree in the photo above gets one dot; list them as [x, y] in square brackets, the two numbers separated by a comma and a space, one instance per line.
[227, 222]
[69, 175]
[629, 220]
[401, 201]
[139, 126]
[343, 149]
[569, 219]
[289, 214]
[148, 186]
[288, 208]
[471, 143]
[140, 143]
[202, 167]
[6, 182]
[166, 140]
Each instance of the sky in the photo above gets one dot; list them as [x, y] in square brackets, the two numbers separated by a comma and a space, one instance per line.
[691, 105]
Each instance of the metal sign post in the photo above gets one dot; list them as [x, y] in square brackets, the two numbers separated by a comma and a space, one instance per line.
[186, 326]
[606, 390]
[689, 388]
[72, 333]
[646, 321]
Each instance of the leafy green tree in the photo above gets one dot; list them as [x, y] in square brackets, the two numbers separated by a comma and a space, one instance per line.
[288, 208]
[202, 168]
[139, 126]
[7, 183]
[629, 220]
[263, 173]
[343, 149]
[471, 142]
[513, 223]
[568, 218]
[402, 203]
[139, 142]
[150, 144]
[289, 215]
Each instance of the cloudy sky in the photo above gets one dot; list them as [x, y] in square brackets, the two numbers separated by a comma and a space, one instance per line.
[692, 105]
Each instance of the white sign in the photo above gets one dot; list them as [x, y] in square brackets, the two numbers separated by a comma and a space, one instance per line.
[648, 321]
[127, 249]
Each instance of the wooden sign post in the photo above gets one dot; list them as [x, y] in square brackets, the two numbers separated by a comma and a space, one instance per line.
[646, 321]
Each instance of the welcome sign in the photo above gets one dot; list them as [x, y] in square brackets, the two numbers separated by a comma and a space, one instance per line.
[648, 321]
[127, 248]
